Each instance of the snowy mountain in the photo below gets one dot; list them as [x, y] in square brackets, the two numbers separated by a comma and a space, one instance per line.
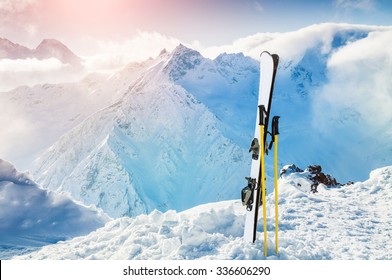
[50, 62]
[11, 50]
[54, 48]
[171, 133]
[32, 216]
[185, 121]
[323, 119]
[227, 85]
[346, 222]
[48, 48]
[35, 117]
[157, 147]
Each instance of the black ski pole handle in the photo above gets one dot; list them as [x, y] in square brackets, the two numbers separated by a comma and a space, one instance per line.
[262, 114]
[275, 125]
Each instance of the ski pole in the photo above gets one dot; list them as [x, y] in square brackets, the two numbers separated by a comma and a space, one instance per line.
[275, 133]
[262, 184]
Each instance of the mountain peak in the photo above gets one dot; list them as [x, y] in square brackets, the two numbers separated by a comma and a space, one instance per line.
[12, 50]
[181, 61]
[5, 42]
[163, 52]
[46, 49]
[54, 48]
[181, 49]
[51, 43]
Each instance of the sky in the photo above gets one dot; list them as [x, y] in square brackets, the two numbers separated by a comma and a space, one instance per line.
[108, 34]
[79, 23]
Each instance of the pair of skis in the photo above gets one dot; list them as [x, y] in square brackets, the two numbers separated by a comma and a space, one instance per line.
[254, 194]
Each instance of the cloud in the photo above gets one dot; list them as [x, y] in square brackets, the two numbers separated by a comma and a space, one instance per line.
[15, 6]
[113, 55]
[31, 30]
[103, 56]
[258, 6]
[346, 115]
[289, 45]
[352, 111]
[32, 71]
[366, 5]
[360, 87]
[30, 65]
[16, 131]
[17, 15]
[250, 45]
[22, 21]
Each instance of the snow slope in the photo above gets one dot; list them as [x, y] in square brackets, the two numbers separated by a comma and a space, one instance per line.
[32, 216]
[347, 222]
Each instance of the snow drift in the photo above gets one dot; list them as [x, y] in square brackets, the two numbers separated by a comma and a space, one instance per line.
[346, 222]
[32, 216]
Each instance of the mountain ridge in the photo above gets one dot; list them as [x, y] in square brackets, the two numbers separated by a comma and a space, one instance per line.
[48, 48]
[180, 132]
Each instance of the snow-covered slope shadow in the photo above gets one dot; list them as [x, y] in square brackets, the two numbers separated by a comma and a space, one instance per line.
[33, 217]
[347, 222]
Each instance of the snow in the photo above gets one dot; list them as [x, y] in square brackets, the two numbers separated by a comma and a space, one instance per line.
[347, 222]
[32, 217]
[162, 136]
